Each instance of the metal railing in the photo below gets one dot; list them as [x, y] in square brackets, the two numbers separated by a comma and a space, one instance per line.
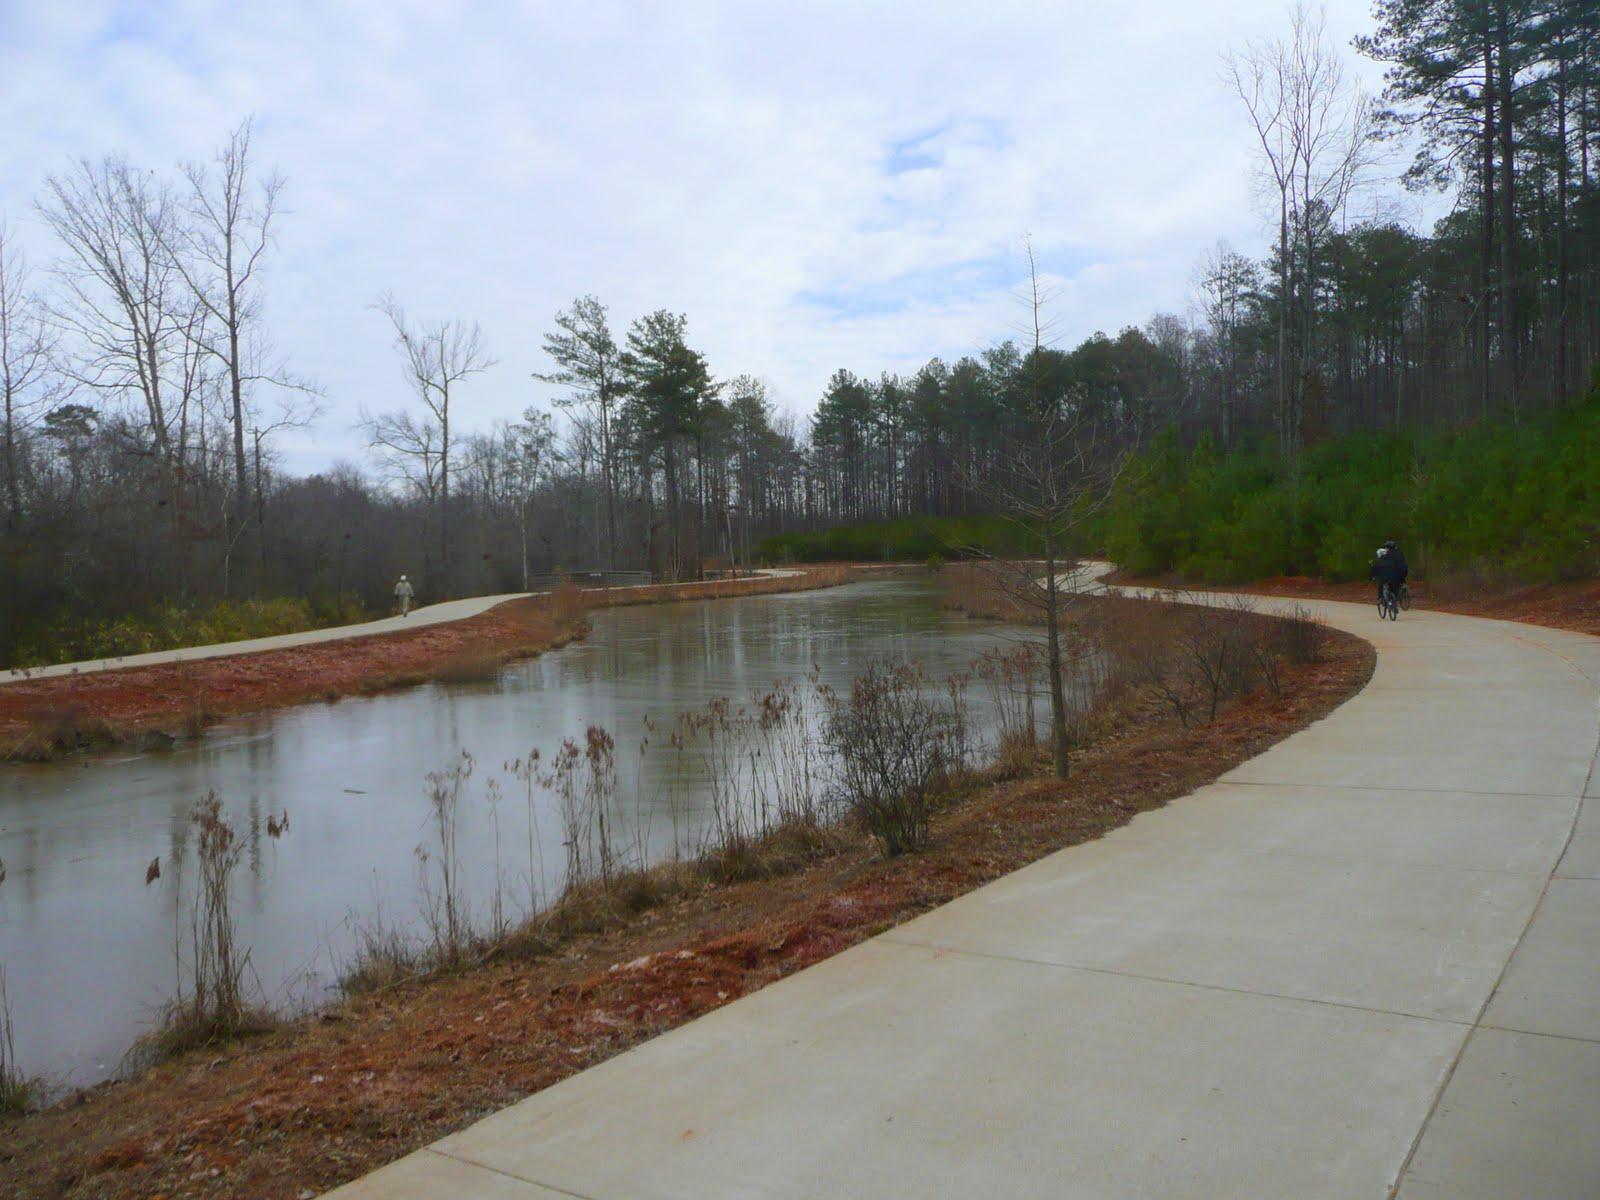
[588, 579]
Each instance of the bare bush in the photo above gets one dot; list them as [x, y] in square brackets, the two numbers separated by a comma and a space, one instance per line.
[1197, 657]
[895, 748]
[755, 763]
[714, 736]
[1220, 648]
[584, 781]
[1014, 678]
[1301, 636]
[384, 958]
[785, 785]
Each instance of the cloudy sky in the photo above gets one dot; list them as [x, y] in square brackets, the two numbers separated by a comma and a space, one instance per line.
[814, 184]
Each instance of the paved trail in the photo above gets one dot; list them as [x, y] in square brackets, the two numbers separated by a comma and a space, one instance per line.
[433, 614]
[1365, 963]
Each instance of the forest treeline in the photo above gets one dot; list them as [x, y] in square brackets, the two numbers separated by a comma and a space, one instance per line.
[1495, 502]
[143, 400]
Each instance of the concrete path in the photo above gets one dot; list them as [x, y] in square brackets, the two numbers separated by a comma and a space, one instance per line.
[433, 614]
[1364, 964]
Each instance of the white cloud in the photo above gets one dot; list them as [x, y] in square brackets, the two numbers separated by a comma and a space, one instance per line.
[732, 161]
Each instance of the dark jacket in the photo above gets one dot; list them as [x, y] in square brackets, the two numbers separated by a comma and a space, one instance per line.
[1389, 568]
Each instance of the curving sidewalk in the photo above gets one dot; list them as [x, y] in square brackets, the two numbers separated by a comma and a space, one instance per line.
[433, 614]
[1363, 964]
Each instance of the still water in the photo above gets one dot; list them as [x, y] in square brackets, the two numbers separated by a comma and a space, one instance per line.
[88, 947]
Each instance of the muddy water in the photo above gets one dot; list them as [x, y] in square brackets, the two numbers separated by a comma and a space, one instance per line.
[89, 948]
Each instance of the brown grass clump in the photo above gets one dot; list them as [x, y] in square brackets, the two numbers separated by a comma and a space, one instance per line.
[795, 843]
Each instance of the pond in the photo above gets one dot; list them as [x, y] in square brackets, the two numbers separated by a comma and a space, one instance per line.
[91, 950]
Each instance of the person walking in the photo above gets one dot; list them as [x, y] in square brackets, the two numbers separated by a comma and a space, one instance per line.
[404, 594]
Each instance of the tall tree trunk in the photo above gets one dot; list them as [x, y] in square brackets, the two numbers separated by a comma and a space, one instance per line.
[1562, 334]
[1285, 401]
[13, 482]
[1487, 298]
[609, 483]
[444, 494]
[236, 392]
[1059, 751]
[1510, 333]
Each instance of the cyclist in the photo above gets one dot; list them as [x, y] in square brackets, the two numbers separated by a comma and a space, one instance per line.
[1389, 567]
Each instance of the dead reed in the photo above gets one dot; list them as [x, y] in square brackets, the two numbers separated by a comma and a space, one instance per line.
[18, 1092]
[213, 1001]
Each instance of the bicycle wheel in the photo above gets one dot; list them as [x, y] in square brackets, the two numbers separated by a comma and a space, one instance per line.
[1405, 597]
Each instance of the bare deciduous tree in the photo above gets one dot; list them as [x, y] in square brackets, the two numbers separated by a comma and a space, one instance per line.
[1224, 282]
[219, 250]
[1314, 129]
[436, 358]
[27, 386]
[1054, 474]
[123, 295]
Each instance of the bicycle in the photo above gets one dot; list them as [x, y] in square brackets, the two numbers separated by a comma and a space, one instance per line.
[1388, 603]
[1404, 596]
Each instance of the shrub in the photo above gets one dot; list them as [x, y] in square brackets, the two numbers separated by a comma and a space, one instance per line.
[895, 747]
[70, 638]
[1194, 657]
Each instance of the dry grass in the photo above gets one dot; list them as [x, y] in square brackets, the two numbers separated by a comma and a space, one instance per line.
[57, 729]
[974, 588]
[795, 843]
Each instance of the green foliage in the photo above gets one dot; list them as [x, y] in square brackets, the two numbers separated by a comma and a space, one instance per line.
[906, 539]
[171, 626]
[1518, 502]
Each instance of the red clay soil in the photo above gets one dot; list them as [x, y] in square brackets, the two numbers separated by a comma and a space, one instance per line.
[330, 1097]
[41, 718]
[1573, 605]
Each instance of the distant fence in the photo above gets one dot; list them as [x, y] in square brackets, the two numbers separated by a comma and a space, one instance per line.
[611, 579]
[588, 579]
